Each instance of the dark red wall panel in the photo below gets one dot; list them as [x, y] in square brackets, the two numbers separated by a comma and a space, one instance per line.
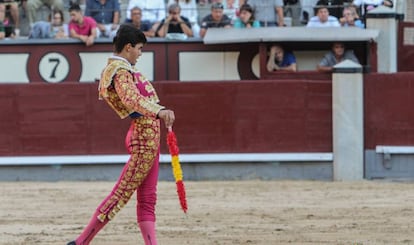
[405, 48]
[212, 117]
[8, 122]
[389, 111]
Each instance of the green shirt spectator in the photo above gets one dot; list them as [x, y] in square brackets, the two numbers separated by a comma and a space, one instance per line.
[246, 18]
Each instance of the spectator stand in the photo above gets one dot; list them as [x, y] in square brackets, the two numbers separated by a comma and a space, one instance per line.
[308, 45]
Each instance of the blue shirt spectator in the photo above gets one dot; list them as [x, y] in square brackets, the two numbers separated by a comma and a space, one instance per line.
[288, 59]
[106, 13]
[102, 11]
[280, 60]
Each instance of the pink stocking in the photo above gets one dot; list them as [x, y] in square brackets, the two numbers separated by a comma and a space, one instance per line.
[91, 230]
[148, 232]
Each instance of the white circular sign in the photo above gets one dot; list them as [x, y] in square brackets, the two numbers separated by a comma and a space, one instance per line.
[54, 67]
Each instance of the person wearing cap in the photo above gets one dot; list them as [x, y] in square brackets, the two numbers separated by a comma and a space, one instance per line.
[217, 19]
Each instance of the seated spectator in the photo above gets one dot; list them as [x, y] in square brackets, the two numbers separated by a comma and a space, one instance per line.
[367, 5]
[217, 19]
[32, 7]
[106, 13]
[350, 18]
[280, 60]
[81, 27]
[323, 19]
[335, 7]
[54, 28]
[268, 13]
[189, 10]
[9, 12]
[335, 56]
[152, 11]
[174, 23]
[144, 26]
[246, 19]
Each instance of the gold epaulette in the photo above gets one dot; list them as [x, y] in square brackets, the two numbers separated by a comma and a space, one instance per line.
[108, 73]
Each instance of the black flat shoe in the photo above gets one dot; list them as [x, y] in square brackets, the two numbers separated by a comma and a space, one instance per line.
[71, 243]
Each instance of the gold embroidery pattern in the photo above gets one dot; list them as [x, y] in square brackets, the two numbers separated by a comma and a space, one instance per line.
[124, 98]
[131, 97]
[109, 72]
[145, 142]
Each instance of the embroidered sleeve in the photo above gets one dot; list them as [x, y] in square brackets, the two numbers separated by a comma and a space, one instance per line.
[131, 97]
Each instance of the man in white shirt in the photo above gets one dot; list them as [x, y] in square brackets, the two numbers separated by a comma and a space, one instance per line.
[153, 11]
[323, 19]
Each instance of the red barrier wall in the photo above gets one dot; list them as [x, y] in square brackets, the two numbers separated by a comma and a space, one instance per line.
[389, 112]
[405, 49]
[212, 117]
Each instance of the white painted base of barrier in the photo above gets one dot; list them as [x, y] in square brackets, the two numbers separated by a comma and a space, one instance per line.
[192, 158]
[394, 149]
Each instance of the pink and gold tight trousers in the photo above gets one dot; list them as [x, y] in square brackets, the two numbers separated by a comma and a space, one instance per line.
[139, 174]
